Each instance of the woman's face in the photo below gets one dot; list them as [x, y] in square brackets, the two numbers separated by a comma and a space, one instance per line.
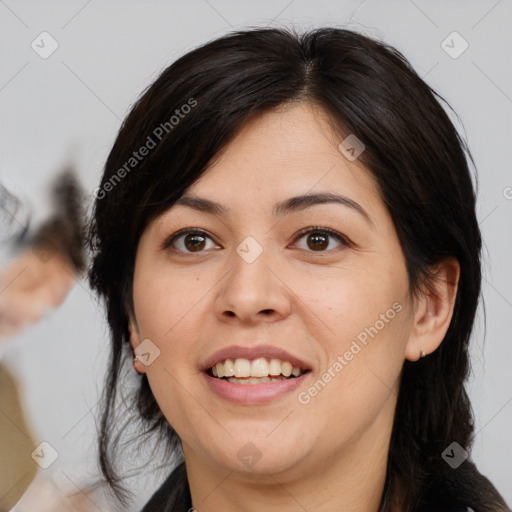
[280, 285]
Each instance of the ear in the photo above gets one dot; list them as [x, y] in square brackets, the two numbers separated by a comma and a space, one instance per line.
[434, 310]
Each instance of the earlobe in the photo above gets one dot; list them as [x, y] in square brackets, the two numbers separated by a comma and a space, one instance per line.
[138, 366]
[434, 310]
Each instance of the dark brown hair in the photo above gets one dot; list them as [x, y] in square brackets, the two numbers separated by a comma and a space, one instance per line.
[414, 153]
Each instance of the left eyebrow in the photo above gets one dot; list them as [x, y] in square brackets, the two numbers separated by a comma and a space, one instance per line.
[282, 208]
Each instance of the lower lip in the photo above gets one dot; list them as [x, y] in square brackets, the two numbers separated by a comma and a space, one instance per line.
[253, 393]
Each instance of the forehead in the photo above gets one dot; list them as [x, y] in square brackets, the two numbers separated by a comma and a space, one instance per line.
[287, 152]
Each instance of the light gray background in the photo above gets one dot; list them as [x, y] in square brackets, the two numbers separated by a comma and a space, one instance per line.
[68, 108]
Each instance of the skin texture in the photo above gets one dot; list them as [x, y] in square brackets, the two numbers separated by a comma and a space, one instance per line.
[329, 454]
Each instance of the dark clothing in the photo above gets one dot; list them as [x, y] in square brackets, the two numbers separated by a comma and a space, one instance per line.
[174, 490]
[468, 491]
[450, 508]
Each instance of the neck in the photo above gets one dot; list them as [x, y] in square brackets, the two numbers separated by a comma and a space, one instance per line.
[351, 479]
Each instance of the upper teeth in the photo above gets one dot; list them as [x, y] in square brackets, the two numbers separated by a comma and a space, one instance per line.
[256, 368]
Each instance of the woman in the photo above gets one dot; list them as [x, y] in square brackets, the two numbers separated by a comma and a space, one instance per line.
[285, 238]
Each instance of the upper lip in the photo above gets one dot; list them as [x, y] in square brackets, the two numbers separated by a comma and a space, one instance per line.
[267, 351]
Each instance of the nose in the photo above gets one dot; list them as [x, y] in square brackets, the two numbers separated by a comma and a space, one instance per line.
[253, 292]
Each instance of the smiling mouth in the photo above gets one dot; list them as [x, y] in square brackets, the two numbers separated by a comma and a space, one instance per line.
[257, 371]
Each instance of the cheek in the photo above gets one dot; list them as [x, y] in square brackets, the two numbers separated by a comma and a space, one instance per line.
[368, 337]
[163, 299]
[165, 308]
[366, 311]
[169, 308]
[358, 300]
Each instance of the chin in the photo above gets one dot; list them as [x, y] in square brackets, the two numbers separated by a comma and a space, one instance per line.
[261, 455]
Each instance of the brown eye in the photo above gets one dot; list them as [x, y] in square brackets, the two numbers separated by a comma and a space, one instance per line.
[194, 242]
[319, 239]
[189, 241]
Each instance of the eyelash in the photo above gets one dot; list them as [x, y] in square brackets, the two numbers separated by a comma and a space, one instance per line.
[312, 229]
